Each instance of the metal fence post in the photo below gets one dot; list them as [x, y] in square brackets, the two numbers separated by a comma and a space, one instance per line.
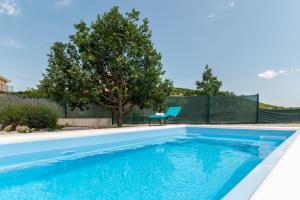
[112, 117]
[257, 108]
[65, 107]
[208, 109]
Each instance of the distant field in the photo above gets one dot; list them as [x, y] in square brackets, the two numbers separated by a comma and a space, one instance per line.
[273, 107]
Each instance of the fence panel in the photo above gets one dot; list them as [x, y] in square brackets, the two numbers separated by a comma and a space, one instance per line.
[137, 116]
[194, 109]
[233, 109]
[93, 111]
[279, 116]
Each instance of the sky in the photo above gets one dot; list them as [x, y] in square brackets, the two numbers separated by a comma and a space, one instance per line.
[253, 46]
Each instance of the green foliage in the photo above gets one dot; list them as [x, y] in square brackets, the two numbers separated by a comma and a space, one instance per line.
[58, 126]
[8, 128]
[185, 92]
[271, 107]
[190, 92]
[41, 116]
[64, 80]
[111, 62]
[210, 85]
[34, 113]
[225, 93]
[25, 130]
[13, 115]
[30, 93]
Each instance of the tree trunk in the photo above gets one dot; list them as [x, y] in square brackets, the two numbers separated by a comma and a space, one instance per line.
[120, 115]
[120, 119]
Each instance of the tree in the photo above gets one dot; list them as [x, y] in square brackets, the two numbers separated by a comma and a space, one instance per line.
[65, 79]
[184, 92]
[112, 63]
[29, 93]
[210, 85]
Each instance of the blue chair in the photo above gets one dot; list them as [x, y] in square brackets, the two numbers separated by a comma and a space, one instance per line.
[172, 113]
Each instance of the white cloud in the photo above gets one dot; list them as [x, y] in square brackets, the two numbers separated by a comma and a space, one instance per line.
[9, 7]
[230, 4]
[8, 41]
[211, 15]
[269, 74]
[282, 71]
[223, 5]
[63, 2]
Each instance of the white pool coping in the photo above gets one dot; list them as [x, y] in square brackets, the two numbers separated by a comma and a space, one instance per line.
[281, 183]
[40, 136]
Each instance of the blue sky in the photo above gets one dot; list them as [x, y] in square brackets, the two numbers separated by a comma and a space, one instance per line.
[253, 46]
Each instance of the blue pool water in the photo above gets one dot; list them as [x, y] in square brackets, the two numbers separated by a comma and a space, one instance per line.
[195, 166]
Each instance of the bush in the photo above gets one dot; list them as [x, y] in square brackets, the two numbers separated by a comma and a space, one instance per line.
[34, 113]
[42, 117]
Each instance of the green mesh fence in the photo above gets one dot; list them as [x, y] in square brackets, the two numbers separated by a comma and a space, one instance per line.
[233, 109]
[94, 111]
[206, 110]
[195, 110]
[137, 116]
[279, 116]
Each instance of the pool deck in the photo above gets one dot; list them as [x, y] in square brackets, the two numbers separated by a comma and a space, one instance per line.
[284, 180]
[282, 183]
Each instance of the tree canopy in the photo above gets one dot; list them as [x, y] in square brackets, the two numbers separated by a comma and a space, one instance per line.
[111, 62]
[29, 93]
[209, 85]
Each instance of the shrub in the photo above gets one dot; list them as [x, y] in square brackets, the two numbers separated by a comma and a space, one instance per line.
[34, 113]
[41, 117]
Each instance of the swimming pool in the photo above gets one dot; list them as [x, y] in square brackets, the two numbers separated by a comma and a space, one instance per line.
[182, 162]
